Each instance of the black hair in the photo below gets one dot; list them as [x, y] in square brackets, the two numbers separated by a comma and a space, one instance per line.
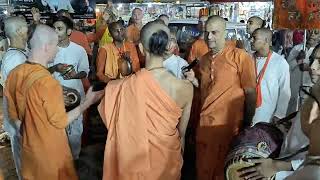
[62, 11]
[163, 15]
[158, 42]
[67, 21]
[264, 23]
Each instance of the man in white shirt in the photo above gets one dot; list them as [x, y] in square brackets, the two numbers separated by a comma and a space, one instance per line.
[71, 54]
[297, 138]
[299, 69]
[273, 79]
[174, 63]
[17, 31]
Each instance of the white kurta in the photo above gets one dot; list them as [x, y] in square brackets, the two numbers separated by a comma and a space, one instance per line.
[296, 76]
[76, 56]
[294, 141]
[174, 64]
[275, 89]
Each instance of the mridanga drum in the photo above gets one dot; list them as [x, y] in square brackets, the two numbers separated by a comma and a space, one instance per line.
[71, 98]
[263, 140]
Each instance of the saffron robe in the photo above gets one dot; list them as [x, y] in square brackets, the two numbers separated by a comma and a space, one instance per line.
[133, 34]
[143, 140]
[198, 49]
[222, 83]
[45, 149]
[107, 62]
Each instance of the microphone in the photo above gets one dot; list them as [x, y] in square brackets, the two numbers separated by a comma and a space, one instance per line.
[190, 66]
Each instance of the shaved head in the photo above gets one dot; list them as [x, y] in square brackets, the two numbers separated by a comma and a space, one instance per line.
[13, 25]
[261, 39]
[257, 20]
[264, 33]
[43, 35]
[155, 37]
[254, 23]
[217, 20]
[215, 33]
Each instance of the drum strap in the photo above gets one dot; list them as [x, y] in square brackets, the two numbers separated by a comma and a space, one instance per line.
[305, 148]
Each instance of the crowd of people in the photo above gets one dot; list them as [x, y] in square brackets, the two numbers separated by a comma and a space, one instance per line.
[155, 104]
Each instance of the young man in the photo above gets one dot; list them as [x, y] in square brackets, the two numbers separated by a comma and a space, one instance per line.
[77, 37]
[17, 31]
[253, 23]
[150, 114]
[35, 101]
[297, 138]
[273, 79]
[71, 54]
[107, 62]
[227, 85]
[133, 31]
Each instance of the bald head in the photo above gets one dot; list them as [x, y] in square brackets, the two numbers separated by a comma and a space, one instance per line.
[254, 23]
[155, 37]
[261, 40]
[215, 33]
[265, 34]
[43, 35]
[15, 26]
[218, 21]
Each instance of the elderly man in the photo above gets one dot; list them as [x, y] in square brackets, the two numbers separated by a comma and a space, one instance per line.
[29, 89]
[17, 31]
[227, 85]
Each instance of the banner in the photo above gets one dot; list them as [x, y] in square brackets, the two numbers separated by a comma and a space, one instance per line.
[296, 14]
[80, 9]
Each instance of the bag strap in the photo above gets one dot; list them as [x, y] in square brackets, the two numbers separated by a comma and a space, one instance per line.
[26, 86]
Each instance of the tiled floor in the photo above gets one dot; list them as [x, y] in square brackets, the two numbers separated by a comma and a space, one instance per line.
[6, 155]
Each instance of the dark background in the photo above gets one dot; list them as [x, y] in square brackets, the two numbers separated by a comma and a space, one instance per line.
[24, 7]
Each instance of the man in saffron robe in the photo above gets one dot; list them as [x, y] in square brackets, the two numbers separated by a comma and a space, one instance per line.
[107, 62]
[199, 47]
[227, 85]
[149, 115]
[133, 31]
[35, 104]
